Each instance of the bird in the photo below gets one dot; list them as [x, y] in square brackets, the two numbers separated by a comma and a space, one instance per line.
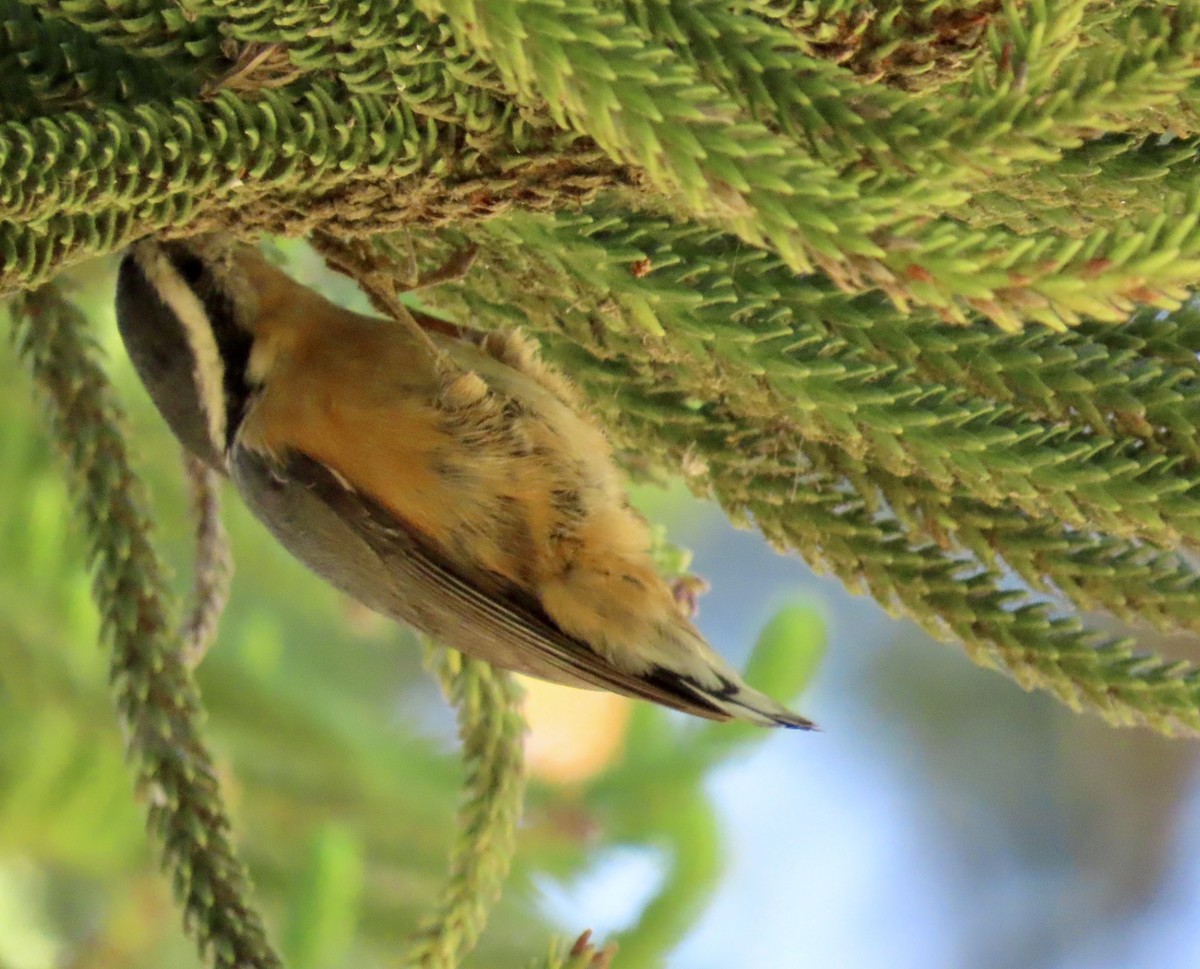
[453, 482]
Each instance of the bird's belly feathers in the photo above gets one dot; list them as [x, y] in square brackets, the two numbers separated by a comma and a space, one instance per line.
[492, 467]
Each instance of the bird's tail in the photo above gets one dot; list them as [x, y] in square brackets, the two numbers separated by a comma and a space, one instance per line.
[728, 698]
[709, 687]
[755, 707]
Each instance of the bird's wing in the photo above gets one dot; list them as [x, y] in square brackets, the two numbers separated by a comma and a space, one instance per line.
[371, 555]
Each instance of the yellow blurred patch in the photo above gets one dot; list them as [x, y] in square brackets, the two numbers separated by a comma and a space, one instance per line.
[573, 734]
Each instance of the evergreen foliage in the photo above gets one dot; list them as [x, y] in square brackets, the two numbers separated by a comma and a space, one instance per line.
[156, 696]
[903, 284]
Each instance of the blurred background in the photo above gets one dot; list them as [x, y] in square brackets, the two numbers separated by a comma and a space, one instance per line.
[942, 818]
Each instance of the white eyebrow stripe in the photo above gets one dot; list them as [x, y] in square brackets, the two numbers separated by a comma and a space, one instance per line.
[209, 370]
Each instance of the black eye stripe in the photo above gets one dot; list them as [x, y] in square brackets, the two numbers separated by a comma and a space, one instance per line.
[189, 266]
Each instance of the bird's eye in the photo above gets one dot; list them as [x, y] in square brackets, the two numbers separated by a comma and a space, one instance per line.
[190, 267]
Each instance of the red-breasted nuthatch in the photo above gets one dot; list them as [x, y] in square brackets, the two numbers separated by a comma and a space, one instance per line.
[454, 485]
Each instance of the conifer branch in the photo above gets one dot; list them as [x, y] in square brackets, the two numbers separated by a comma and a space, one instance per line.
[48, 64]
[161, 31]
[156, 697]
[388, 49]
[116, 156]
[31, 254]
[491, 729]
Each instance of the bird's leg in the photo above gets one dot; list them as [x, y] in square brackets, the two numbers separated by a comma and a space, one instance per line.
[456, 267]
[377, 278]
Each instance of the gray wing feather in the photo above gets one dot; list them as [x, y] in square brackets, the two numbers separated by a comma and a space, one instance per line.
[366, 552]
